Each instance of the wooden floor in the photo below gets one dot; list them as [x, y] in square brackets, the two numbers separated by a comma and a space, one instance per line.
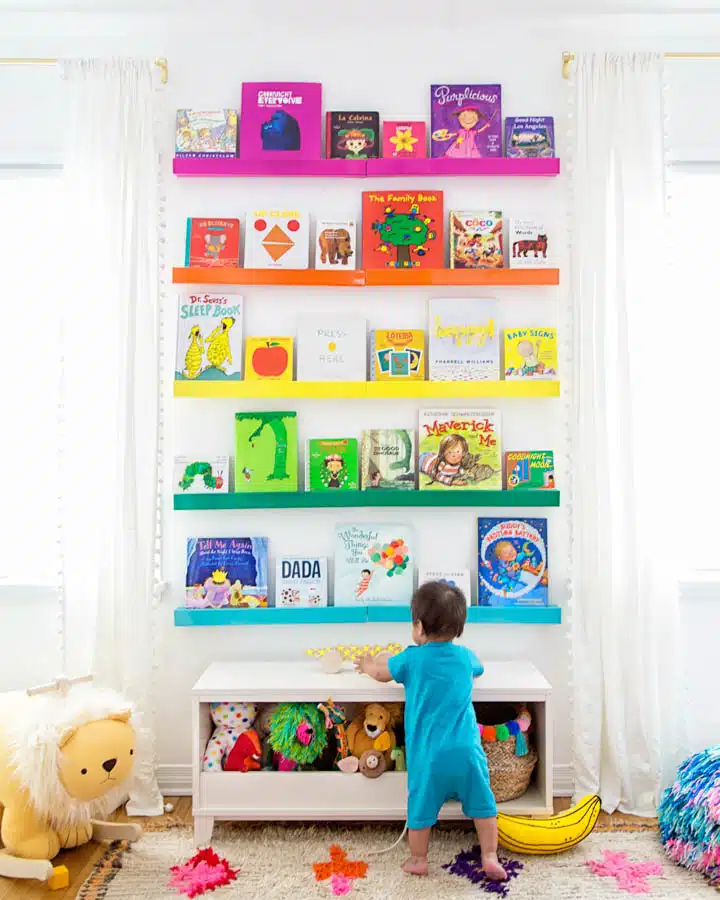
[81, 861]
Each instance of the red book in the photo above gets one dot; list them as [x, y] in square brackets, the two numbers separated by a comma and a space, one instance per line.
[212, 243]
[403, 229]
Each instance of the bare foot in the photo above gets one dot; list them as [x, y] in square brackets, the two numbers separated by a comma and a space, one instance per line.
[418, 865]
[492, 868]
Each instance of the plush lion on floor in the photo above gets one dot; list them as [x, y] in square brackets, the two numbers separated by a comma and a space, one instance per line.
[64, 762]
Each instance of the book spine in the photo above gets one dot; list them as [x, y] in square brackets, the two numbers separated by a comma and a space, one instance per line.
[372, 355]
[188, 235]
[328, 135]
[307, 466]
[364, 453]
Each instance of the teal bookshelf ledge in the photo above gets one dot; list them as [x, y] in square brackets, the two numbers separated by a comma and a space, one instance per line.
[345, 499]
[518, 615]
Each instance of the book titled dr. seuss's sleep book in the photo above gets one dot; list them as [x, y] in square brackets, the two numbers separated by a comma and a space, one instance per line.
[209, 337]
[465, 121]
[512, 562]
[226, 572]
[281, 120]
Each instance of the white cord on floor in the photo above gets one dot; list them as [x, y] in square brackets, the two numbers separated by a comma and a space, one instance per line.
[390, 848]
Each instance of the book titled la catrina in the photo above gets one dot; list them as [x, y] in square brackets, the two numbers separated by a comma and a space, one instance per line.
[402, 229]
[404, 140]
[352, 135]
[331, 464]
[281, 119]
[212, 243]
[374, 563]
[465, 121]
[266, 456]
[512, 562]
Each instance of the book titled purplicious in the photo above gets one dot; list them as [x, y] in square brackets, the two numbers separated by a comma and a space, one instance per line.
[466, 121]
[512, 562]
[529, 136]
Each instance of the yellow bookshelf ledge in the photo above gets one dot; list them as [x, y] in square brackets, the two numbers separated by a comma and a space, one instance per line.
[365, 390]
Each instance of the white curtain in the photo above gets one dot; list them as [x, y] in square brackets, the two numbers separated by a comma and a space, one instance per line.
[111, 343]
[625, 620]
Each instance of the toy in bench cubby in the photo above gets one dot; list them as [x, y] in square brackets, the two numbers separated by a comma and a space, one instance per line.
[298, 735]
[372, 740]
[332, 659]
[235, 744]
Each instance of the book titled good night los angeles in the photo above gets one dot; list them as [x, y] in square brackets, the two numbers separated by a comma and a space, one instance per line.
[465, 121]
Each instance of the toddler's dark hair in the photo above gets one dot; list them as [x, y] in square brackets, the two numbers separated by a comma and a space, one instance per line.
[440, 608]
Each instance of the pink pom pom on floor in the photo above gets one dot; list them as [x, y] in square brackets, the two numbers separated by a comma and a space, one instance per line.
[203, 872]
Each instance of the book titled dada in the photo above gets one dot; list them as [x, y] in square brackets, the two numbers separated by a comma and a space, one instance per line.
[301, 581]
[281, 119]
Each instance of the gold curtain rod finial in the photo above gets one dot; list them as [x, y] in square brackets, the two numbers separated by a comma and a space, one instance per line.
[162, 64]
[567, 58]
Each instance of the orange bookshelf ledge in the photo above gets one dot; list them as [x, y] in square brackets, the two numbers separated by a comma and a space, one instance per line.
[517, 277]
[308, 277]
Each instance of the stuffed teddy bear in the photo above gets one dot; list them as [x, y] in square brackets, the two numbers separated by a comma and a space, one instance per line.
[225, 751]
[373, 728]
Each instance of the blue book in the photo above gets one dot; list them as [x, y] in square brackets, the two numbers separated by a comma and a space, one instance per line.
[529, 136]
[374, 563]
[512, 562]
[224, 572]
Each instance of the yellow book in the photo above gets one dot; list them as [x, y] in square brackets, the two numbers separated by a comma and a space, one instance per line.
[397, 355]
[531, 353]
[269, 359]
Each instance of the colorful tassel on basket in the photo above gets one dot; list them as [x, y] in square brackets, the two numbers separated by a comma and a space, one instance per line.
[521, 747]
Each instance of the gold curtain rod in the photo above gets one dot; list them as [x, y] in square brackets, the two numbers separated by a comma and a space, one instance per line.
[161, 62]
[568, 57]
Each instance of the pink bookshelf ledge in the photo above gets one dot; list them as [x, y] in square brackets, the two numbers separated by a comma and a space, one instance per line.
[252, 168]
[459, 167]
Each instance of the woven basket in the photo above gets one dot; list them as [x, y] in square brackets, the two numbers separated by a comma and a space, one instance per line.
[510, 774]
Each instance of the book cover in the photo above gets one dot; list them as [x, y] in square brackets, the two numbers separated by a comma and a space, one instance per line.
[404, 140]
[388, 460]
[212, 243]
[402, 230]
[266, 456]
[534, 469]
[206, 134]
[336, 244]
[277, 239]
[460, 579]
[331, 464]
[223, 572]
[531, 353]
[528, 246]
[301, 581]
[459, 450]
[269, 359]
[374, 563]
[332, 348]
[352, 135]
[512, 562]
[281, 120]
[529, 136]
[464, 341]
[208, 475]
[209, 337]
[476, 239]
[465, 120]
[397, 355]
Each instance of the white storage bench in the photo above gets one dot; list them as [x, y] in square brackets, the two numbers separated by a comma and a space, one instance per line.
[327, 796]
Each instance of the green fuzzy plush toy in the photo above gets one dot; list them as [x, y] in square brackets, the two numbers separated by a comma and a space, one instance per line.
[297, 734]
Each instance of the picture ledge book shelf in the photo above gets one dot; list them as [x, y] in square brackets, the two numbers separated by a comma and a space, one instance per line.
[365, 390]
[334, 796]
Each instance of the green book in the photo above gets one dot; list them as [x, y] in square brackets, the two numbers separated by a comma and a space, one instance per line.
[331, 464]
[266, 457]
[388, 460]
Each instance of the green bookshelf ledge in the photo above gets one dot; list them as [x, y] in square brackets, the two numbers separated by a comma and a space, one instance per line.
[345, 499]
[518, 615]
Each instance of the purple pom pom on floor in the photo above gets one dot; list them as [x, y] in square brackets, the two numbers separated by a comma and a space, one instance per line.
[467, 864]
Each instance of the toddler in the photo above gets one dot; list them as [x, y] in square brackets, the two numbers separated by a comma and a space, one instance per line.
[445, 759]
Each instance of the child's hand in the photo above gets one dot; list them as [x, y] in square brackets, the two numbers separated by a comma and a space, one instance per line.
[364, 664]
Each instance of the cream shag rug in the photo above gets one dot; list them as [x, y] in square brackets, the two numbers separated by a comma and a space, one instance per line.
[276, 864]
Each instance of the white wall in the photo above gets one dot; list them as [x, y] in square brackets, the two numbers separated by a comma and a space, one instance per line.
[385, 63]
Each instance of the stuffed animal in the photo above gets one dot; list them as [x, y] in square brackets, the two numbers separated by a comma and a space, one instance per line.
[65, 760]
[232, 720]
[262, 724]
[372, 764]
[298, 735]
[373, 728]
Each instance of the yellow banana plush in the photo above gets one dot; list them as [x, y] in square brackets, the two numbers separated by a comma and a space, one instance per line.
[554, 835]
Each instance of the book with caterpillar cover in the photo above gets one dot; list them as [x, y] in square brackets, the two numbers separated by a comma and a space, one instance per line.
[223, 572]
[266, 454]
[209, 337]
[512, 562]
[374, 563]
[198, 475]
[459, 450]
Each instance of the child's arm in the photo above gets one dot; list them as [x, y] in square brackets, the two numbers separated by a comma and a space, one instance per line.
[374, 666]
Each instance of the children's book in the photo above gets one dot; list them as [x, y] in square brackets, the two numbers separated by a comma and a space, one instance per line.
[212, 243]
[459, 579]
[459, 450]
[269, 359]
[528, 247]
[301, 581]
[464, 343]
[352, 135]
[397, 355]
[404, 140]
[476, 239]
[336, 244]
[332, 348]
[331, 464]
[529, 469]
[225, 572]
[374, 563]
[209, 475]
[281, 120]
[277, 239]
[388, 460]
[206, 134]
[465, 120]
[512, 562]
[266, 455]
[531, 353]
[529, 136]
[209, 337]
[402, 229]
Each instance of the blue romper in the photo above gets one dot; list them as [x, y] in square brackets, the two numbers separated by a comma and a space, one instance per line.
[445, 759]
